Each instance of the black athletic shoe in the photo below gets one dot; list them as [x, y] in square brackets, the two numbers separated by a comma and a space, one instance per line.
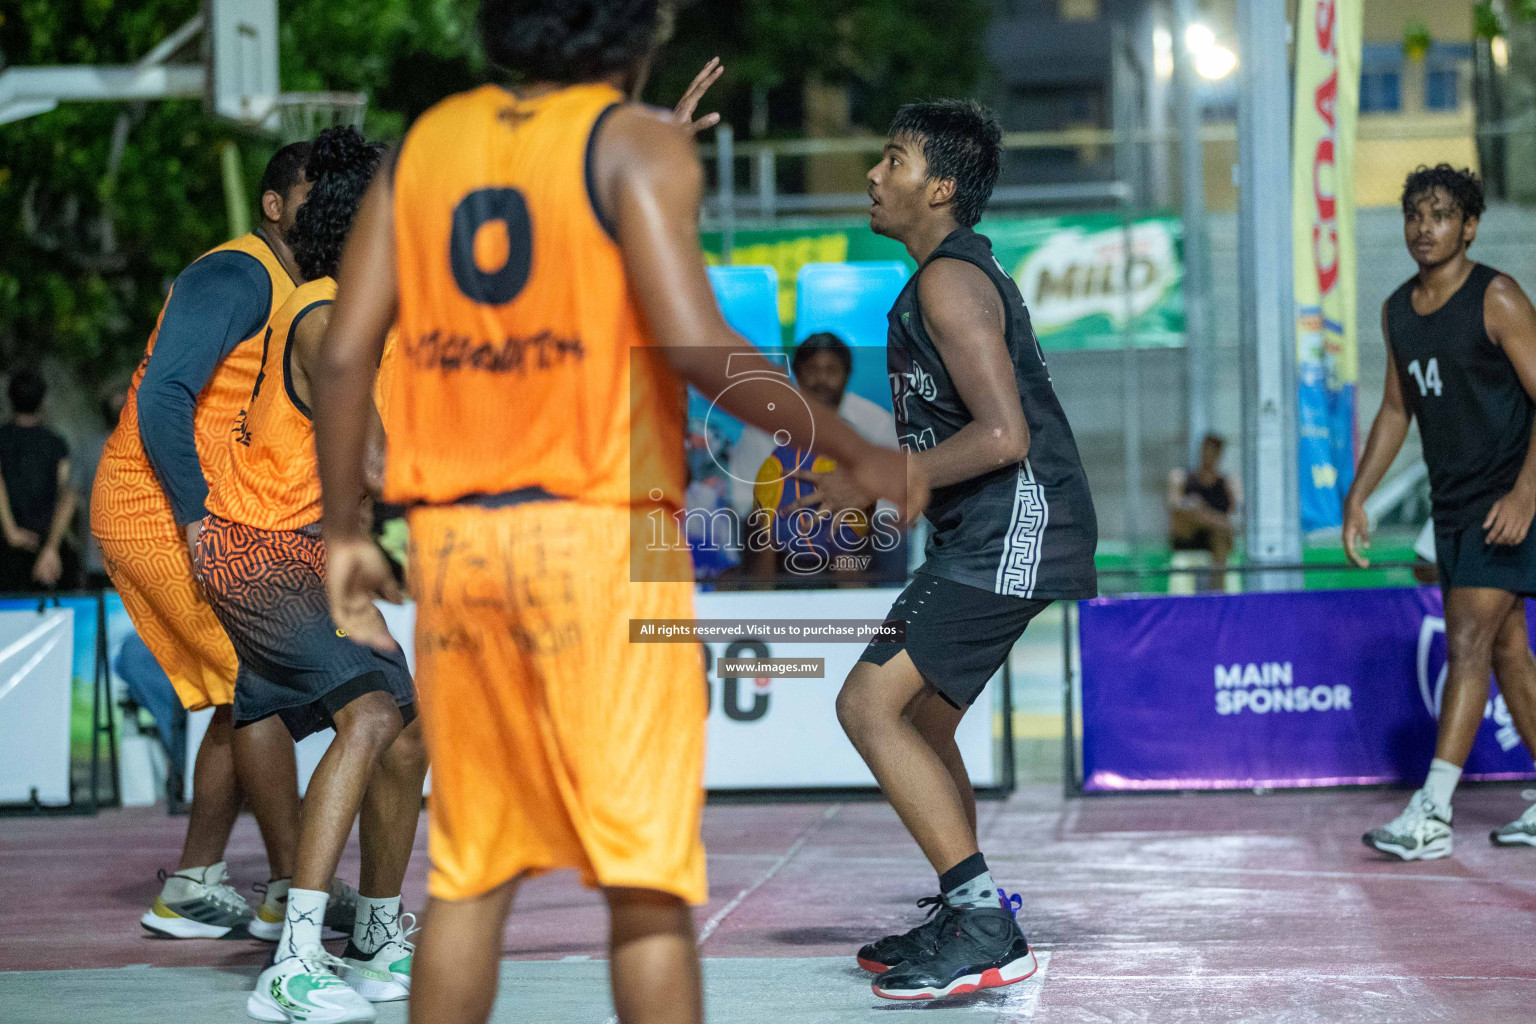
[883, 954]
[977, 949]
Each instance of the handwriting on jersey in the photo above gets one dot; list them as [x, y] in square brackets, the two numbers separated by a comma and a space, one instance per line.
[455, 352]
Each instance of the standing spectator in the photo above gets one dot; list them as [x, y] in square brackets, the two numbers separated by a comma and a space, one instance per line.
[1201, 504]
[37, 498]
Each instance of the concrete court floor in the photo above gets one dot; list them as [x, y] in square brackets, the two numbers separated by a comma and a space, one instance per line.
[1205, 908]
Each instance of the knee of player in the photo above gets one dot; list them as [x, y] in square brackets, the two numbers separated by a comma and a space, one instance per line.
[1511, 654]
[1470, 641]
[407, 755]
[370, 721]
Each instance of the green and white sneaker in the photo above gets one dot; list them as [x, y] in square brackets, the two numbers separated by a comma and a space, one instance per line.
[1421, 832]
[267, 923]
[1520, 832]
[392, 959]
[199, 903]
[305, 988]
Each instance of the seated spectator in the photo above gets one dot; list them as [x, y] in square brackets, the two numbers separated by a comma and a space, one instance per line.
[37, 497]
[1201, 509]
[821, 366]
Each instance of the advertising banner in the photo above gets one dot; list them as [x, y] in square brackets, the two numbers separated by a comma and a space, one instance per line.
[35, 651]
[1071, 270]
[1328, 42]
[764, 732]
[1319, 688]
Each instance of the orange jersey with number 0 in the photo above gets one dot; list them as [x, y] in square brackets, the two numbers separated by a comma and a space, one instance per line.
[524, 360]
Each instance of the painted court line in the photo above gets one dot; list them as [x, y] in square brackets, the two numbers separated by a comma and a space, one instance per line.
[778, 865]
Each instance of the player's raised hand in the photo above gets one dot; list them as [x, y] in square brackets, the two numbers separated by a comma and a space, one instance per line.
[683, 113]
[1510, 518]
[357, 574]
[1357, 535]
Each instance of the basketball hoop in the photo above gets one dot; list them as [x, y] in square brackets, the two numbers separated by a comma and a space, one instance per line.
[298, 116]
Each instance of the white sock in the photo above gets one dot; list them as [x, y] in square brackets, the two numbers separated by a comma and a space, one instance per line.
[303, 922]
[378, 921]
[180, 885]
[1441, 782]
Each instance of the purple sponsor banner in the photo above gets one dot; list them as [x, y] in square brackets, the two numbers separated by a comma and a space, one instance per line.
[1319, 688]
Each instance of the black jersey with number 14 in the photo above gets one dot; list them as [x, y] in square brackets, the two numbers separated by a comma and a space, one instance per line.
[1027, 529]
[1474, 415]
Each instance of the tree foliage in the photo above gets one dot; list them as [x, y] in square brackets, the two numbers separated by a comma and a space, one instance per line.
[94, 233]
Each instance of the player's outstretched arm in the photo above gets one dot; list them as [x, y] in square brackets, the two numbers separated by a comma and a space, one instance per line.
[963, 314]
[1388, 431]
[650, 183]
[342, 387]
[1511, 322]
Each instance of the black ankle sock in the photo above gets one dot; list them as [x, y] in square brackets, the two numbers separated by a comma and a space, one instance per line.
[972, 867]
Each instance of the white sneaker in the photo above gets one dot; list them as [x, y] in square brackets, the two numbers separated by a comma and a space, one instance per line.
[304, 988]
[1421, 832]
[385, 975]
[198, 903]
[1520, 832]
[267, 925]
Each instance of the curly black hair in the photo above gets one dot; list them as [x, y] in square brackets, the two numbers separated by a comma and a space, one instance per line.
[341, 165]
[962, 140]
[568, 40]
[1464, 187]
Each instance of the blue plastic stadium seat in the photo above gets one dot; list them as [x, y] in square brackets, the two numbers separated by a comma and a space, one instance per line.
[749, 300]
[851, 300]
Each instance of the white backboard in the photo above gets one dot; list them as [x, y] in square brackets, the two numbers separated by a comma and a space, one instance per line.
[241, 41]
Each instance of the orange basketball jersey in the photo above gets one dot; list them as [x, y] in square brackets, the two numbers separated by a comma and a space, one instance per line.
[273, 480]
[132, 497]
[523, 361]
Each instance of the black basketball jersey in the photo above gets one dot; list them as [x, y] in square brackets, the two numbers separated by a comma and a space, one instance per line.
[1474, 415]
[1027, 529]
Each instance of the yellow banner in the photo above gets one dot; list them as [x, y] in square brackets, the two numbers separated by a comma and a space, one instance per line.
[1327, 106]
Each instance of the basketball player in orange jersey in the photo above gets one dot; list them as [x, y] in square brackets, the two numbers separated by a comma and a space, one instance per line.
[551, 300]
[262, 565]
[147, 507]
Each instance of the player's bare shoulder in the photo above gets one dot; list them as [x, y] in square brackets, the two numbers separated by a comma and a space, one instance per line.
[1508, 311]
[641, 143]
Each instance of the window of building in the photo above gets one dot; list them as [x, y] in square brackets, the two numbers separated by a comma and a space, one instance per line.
[1441, 90]
[1380, 92]
[1079, 10]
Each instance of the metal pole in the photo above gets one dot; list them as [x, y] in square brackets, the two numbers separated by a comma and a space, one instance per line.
[1131, 383]
[1124, 115]
[1197, 260]
[1264, 252]
[767, 186]
[725, 170]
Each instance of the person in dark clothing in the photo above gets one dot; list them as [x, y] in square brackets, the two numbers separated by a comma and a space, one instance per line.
[1201, 507]
[37, 499]
[1014, 529]
[1461, 359]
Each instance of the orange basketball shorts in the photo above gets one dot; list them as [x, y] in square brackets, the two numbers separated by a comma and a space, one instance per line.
[554, 741]
[147, 558]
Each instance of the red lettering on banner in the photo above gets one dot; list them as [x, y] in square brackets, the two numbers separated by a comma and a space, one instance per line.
[1327, 202]
[1328, 97]
[1327, 276]
[1327, 14]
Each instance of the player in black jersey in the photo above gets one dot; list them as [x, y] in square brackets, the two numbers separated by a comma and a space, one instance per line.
[1013, 529]
[1461, 342]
